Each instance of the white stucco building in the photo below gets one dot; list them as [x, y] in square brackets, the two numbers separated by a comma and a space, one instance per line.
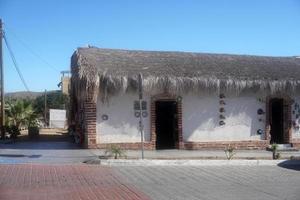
[190, 101]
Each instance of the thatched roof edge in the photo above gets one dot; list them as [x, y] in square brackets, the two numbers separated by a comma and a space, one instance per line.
[113, 71]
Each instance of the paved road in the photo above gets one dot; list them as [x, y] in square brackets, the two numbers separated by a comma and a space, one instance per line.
[79, 181]
[70, 180]
[226, 183]
[64, 182]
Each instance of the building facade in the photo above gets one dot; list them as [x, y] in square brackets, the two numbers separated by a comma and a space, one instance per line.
[190, 101]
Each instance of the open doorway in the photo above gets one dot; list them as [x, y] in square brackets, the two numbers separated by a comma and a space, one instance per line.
[166, 124]
[276, 121]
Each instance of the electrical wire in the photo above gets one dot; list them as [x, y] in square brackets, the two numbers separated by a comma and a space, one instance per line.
[15, 63]
[26, 46]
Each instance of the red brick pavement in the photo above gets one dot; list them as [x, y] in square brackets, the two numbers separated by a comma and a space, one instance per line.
[33, 181]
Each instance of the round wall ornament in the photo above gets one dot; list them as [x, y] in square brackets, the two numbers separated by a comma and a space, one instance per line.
[145, 114]
[222, 110]
[179, 98]
[260, 111]
[222, 96]
[137, 114]
[221, 123]
[222, 117]
[104, 117]
[222, 102]
[259, 132]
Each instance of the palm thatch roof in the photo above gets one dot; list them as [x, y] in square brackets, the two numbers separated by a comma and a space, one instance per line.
[114, 70]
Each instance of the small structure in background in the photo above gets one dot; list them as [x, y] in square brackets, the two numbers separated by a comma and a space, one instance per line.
[58, 118]
[65, 82]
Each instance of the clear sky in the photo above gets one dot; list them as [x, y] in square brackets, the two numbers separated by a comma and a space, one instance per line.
[53, 29]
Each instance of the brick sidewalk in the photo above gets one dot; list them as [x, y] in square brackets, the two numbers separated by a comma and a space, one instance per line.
[32, 181]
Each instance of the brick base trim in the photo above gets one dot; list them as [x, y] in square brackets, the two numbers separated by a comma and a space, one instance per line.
[296, 143]
[126, 146]
[262, 144]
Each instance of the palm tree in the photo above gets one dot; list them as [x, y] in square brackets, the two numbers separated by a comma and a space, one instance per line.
[20, 113]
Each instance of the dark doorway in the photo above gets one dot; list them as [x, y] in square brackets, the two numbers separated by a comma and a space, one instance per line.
[166, 124]
[276, 121]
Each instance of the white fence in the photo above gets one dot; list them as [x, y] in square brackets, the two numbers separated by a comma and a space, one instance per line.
[58, 118]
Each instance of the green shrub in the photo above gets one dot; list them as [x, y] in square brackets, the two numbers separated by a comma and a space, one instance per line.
[115, 151]
[275, 154]
[229, 152]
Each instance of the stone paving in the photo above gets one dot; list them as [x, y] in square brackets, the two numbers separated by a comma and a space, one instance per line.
[66, 182]
[215, 183]
[53, 172]
[36, 181]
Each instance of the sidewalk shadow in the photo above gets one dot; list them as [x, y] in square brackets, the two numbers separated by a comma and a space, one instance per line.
[40, 145]
[290, 164]
[19, 156]
[44, 141]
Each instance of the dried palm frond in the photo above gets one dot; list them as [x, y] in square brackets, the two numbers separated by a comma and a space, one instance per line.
[111, 71]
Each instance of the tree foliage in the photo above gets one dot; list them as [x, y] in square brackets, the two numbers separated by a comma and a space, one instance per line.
[20, 113]
[24, 111]
[55, 100]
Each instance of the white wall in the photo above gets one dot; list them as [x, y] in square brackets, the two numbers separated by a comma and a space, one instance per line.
[122, 125]
[58, 118]
[201, 118]
[296, 111]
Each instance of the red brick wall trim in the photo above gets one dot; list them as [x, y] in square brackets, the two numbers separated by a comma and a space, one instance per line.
[90, 120]
[296, 140]
[296, 143]
[251, 144]
[126, 146]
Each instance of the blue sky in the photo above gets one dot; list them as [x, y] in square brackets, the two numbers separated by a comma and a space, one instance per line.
[54, 29]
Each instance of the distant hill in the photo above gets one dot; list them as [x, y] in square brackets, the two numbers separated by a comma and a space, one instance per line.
[25, 94]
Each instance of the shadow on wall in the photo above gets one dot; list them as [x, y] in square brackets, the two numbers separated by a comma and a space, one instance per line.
[199, 114]
[201, 118]
[244, 109]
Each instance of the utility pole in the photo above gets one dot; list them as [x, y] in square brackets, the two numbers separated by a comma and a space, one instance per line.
[2, 122]
[45, 108]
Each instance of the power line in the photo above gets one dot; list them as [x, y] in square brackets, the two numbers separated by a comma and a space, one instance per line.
[15, 63]
[2, 112]
[26, 46]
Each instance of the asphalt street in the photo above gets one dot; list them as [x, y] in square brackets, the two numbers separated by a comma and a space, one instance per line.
[214, 182]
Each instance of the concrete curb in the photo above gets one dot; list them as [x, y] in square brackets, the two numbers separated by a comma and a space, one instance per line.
[148, 162]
